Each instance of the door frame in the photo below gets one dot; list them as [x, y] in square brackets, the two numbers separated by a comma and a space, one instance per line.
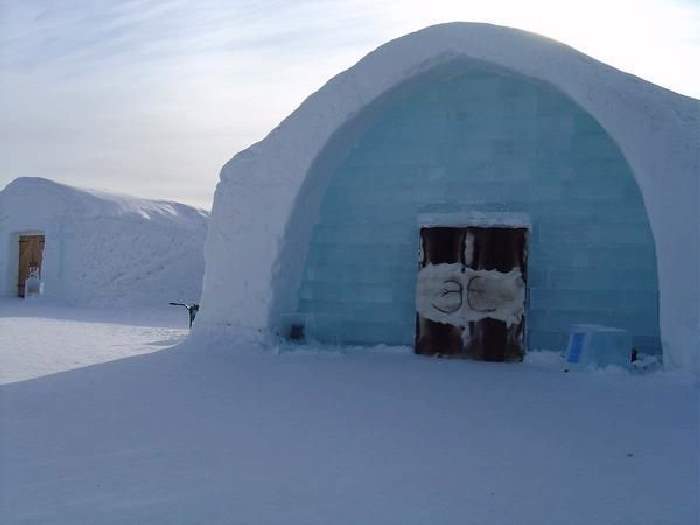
[13, 258]
[477, 219]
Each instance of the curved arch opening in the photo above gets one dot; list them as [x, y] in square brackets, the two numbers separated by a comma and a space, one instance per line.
[468, 136]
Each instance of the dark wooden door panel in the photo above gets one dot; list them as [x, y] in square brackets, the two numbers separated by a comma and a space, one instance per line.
[438, 338]
[31, 250]
[495, 250]
[502, 249]
[440, 245]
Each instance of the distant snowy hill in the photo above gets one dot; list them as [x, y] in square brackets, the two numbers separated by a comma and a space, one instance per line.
[102, 248]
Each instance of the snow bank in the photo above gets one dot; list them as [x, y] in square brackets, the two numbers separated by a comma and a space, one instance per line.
[103, 248]
[658, 132]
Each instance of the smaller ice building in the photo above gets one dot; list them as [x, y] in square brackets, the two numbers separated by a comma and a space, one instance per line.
[471, 188]
[98, 248]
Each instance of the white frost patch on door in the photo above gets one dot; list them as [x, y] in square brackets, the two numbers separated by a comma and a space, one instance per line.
[440, 293]
[453, 294]
[494, 294]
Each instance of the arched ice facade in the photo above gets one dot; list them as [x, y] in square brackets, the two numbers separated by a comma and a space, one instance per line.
[319, 220]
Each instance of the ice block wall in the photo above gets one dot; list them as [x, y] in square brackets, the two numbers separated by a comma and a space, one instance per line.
[468, 136]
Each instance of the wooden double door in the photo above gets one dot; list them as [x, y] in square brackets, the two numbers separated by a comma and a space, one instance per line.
[31, 253]
[471, 290]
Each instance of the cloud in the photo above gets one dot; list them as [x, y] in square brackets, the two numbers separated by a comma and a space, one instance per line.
[152, 97]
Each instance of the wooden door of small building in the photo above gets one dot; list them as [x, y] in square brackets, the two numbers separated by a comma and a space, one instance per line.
[471, 292]
[31, 252]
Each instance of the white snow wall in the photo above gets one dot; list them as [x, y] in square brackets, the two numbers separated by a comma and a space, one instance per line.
[103, 249]
[656, 130]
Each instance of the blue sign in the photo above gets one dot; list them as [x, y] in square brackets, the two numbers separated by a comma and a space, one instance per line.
[575, 347]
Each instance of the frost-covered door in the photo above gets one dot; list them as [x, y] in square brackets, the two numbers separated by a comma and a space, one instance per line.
[496, 292]
[439, 294]
[470, 294]
[31, 250]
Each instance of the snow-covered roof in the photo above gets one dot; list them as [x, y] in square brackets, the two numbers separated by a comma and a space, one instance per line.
[607, 93]
[35, 197]
[657, 130]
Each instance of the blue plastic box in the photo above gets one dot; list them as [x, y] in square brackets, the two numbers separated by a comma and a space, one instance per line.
[598, 346]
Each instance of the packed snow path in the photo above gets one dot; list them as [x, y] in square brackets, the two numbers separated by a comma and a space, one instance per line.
[228, 433]
[39, 338]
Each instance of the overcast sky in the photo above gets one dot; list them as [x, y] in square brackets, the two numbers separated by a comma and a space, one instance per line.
[152, 97]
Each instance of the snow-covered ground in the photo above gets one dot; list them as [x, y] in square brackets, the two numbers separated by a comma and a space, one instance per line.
[39, 337]
[230, 432]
